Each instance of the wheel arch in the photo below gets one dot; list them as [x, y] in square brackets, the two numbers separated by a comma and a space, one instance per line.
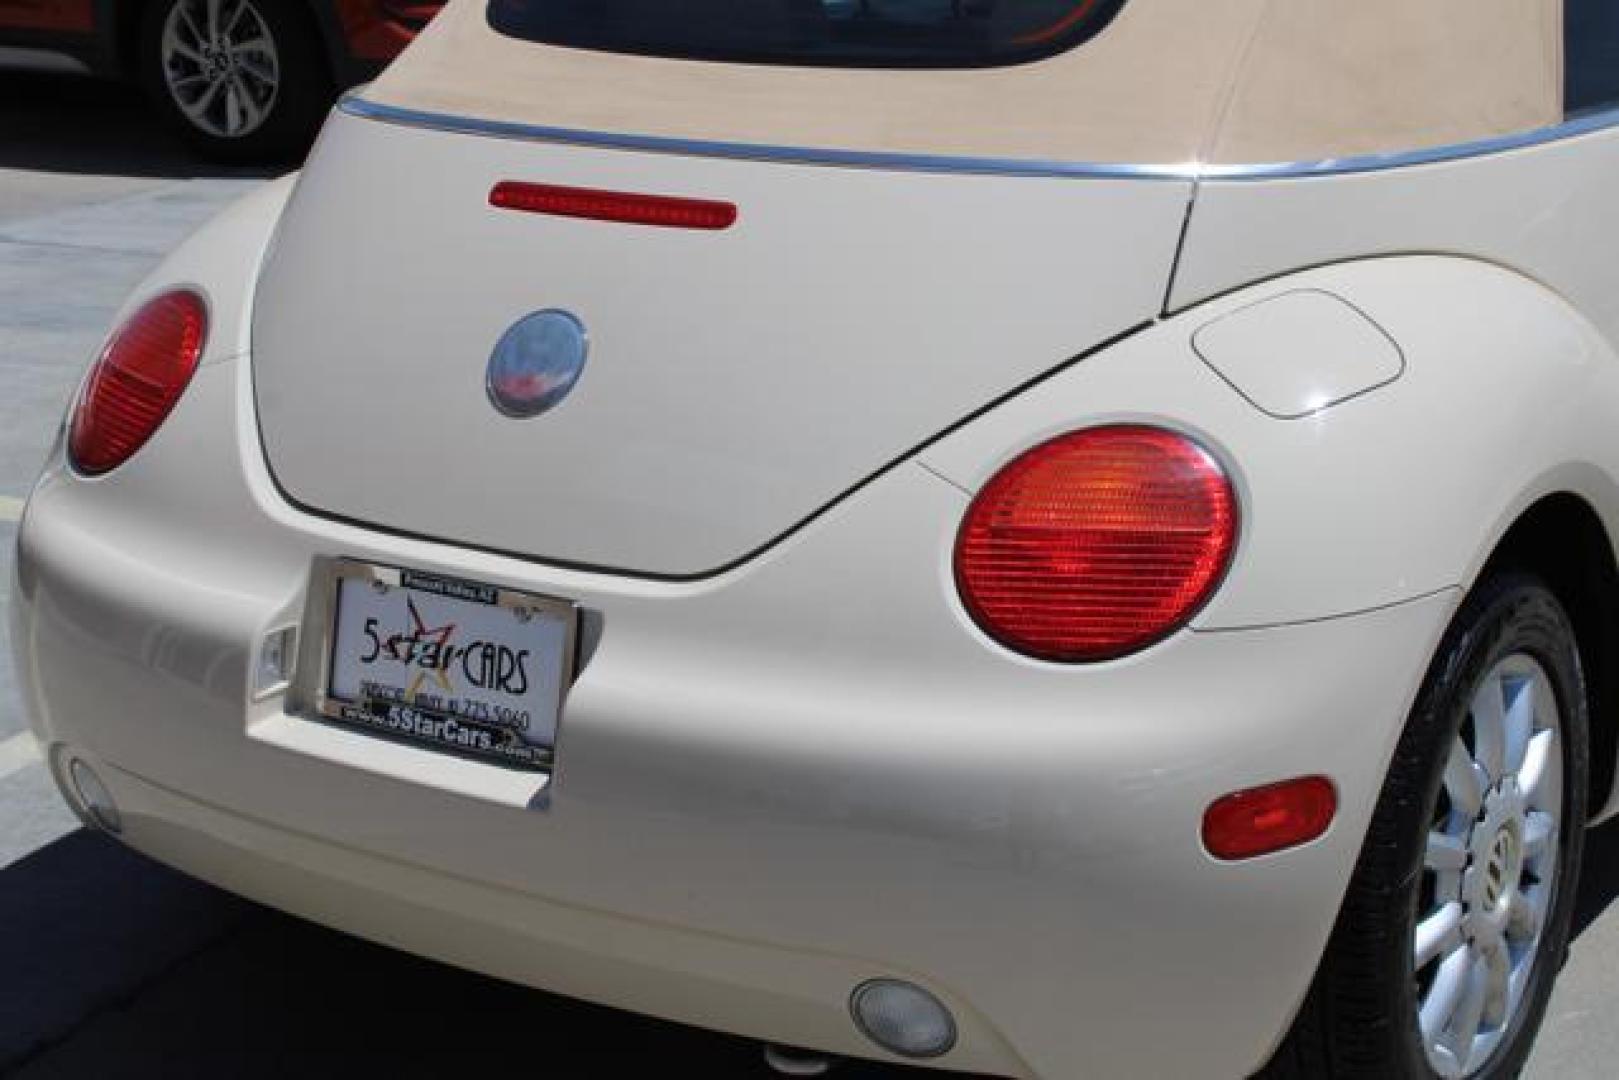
[121, 27]
[1540, 473]
[1563, 539]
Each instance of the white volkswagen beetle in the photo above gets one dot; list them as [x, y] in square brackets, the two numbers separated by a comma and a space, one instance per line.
[1058, 538]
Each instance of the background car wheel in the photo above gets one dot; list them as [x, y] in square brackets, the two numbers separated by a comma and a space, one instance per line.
[244, 80]
[1457, 918]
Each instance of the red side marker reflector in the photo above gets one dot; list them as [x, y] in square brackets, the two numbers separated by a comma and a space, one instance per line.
[1262, 820]
[665, 211]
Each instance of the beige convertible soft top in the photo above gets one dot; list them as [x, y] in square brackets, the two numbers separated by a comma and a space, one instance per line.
[1170, 81]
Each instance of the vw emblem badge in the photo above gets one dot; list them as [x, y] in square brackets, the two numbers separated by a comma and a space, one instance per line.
[537, 362]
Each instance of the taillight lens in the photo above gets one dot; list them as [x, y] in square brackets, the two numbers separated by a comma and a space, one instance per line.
[1097, 543]
[135, 383]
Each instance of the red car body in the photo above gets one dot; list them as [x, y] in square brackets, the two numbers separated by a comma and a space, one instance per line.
[359, 35]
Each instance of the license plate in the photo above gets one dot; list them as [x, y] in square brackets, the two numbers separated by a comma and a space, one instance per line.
[454, 665]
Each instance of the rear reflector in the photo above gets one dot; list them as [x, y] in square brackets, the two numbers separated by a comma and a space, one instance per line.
[662, 210]
[1263, 820]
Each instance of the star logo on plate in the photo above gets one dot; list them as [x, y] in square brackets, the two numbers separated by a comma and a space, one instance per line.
[421, 645]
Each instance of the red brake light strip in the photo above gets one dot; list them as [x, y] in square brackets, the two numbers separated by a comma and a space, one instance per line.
[665, 211]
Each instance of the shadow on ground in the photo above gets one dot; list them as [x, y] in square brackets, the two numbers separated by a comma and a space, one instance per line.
[1599, 876]
[73, 124]
[116, 967]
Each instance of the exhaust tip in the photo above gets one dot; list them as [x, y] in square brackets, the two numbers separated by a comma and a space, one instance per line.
[95, 801]
[794, 1061]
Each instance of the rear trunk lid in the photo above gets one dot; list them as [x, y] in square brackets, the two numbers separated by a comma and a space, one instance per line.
[737, 381]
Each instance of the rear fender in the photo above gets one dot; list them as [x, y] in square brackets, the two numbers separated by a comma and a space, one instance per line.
[221, 260]
[1506, 394]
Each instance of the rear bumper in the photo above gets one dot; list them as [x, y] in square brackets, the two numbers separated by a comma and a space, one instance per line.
[771, 785]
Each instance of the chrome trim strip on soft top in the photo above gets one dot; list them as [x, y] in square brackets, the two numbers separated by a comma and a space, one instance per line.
[355, 105]
[1434, 155]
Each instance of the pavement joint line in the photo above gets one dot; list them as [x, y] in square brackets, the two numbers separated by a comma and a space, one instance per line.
[87, 249]
[11, 508]
[17, 753]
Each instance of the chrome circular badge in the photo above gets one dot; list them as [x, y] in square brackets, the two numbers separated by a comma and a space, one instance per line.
[537, 362]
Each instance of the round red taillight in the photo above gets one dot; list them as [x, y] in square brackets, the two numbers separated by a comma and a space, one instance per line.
[1097, 543]
[135, 383]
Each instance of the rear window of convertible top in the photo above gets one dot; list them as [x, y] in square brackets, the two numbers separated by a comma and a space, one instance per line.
[845, 33]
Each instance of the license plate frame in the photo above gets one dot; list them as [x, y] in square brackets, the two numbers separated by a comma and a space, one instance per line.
[381, 717]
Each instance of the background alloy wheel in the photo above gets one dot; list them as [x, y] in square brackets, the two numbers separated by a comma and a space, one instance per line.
[220, 66]
[1457, 917]
[244, 80]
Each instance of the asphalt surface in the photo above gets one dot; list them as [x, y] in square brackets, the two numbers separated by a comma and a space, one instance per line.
[112, 966]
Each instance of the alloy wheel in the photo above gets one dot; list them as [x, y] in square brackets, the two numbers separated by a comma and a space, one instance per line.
[1490, 867]
[220, 65]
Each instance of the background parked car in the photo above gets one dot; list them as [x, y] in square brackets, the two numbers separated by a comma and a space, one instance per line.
[242, 80]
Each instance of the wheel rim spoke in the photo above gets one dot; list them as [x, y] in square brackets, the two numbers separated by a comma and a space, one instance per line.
[259, 45]
[1470, 1013]
[1498, 980]
[253, 69]
[1445, 996]
[198, 109]
[1519, 724]
[1437, 934]
[1489, 714]
[1541, 751]
[1527, 913]
[233, 18]
[1462, 781]
[252, 115]
[1444, 1062]
[1445, 852]
[1540, 828]
[191, 27]
[240, 105]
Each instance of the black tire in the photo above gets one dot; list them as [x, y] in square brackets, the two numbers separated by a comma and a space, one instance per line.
[1359, 1019]
[304, 93]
